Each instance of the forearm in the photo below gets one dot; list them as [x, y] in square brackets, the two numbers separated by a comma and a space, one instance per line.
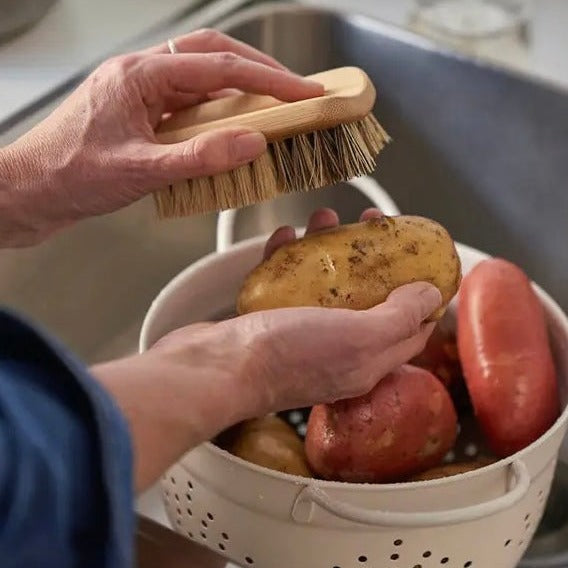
[175, 402]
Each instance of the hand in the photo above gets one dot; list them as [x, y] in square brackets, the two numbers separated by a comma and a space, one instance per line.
[97, 152]
[306, 356]
[201, 379]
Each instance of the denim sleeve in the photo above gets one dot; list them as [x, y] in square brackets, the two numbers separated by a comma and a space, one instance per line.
[66, 495]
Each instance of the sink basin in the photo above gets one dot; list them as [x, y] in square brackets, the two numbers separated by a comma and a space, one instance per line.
[479, 149]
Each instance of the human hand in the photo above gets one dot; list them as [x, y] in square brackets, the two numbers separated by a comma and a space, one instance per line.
[97, 152]
[297, 357]
[201, 379]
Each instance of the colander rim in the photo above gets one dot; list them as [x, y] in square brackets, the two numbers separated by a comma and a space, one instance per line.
[553, 312]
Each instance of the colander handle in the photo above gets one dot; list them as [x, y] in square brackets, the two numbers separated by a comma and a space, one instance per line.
[311, 495]
[366, 185]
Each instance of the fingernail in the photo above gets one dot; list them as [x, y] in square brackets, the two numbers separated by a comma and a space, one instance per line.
[249, 146]
[431, 294]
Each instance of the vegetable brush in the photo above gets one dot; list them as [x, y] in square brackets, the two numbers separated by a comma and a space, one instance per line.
[311, 144]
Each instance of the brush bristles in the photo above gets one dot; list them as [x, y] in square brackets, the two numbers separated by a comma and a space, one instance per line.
[301, 163]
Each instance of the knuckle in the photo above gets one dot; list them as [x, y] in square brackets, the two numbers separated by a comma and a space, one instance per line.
[209, 36]
[118, 67]
[207, 154]
[227, 58]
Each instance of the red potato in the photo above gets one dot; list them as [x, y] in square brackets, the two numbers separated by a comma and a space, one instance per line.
[506, 357]
[405, 425]
[440, 357]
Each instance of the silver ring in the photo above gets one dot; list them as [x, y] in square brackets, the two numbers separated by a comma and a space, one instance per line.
[172, 46]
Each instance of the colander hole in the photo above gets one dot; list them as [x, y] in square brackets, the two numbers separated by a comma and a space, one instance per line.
[203, 535]
[188, 496]
[176, 497]
[189, 512]
[470, 450]
[225, 536]
[527, 517]
[189, 534]
[426, 554]
[362, 559]
[295, 417]
[397, 542]
[249, 560]
[541, 493]
[508, 542]
[468, 564]
[302, 429]
[178, 522]
[173, 480]
[395, 556]
[418, 566]
[444, 560]
[204, 524]
[221, 546]
[521, 542]
[178, 511]
[190, 485]
[210, 516]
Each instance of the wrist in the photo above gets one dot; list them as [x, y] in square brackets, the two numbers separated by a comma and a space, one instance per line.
[24, 200]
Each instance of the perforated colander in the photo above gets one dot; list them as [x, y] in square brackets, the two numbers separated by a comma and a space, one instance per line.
[257, 517]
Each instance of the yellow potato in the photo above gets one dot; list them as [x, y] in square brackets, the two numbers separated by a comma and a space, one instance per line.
[355, 266]
[452, 469]
[271, 443]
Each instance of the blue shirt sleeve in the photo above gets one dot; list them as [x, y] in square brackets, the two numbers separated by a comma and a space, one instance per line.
[66, 494]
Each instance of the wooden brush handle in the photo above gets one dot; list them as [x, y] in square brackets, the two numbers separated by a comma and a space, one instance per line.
[349, 96]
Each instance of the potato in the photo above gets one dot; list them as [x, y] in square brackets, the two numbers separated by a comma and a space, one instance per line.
[271, 443]
[355, 266]
[405, 425]
[451, 469]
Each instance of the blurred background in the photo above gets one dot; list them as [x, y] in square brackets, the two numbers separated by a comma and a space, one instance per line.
[45, 42]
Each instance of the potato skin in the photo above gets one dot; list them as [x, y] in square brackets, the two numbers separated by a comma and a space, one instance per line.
[506, 357]
[271, 443]
[355, 266]
[405, 425]
[451, 469]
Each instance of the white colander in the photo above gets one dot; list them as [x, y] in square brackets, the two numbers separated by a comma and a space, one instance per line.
[257, 517]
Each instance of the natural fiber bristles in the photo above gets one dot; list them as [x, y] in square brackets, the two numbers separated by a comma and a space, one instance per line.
[301, 163]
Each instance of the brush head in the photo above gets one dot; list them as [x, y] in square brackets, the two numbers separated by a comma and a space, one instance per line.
[311, 144]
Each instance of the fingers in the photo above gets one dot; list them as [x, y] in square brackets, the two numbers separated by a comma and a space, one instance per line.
[403, 314]
[206, 73]
[372, 213]
[210, 41]
[280, 237]
[324, 218]
[209, 153]
[401, 353]
[320, 219]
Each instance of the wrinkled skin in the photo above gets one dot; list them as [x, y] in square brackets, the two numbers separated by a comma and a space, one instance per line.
[97, 152]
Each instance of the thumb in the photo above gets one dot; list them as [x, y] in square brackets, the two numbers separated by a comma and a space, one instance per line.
[209, 153]
[406, 310]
